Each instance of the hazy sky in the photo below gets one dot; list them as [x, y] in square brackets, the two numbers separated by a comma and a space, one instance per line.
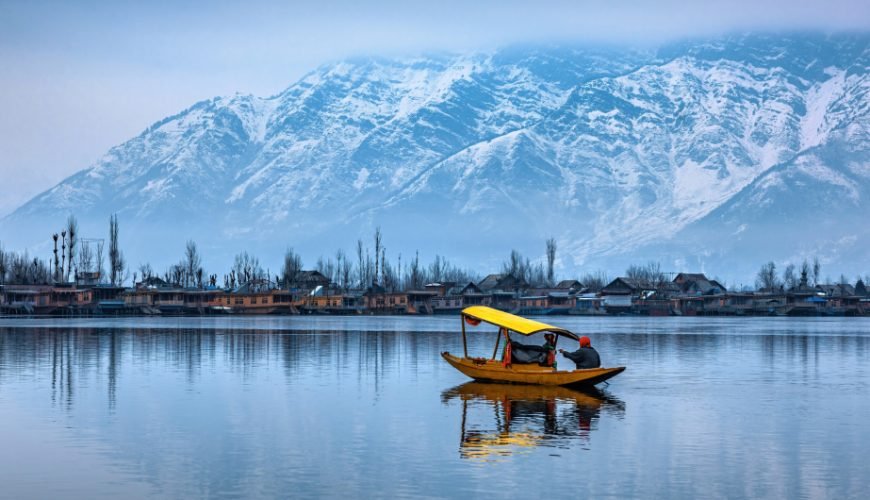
[79, 77]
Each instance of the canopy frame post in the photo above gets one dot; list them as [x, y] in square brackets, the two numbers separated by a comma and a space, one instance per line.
[497, 343]
[464, 342]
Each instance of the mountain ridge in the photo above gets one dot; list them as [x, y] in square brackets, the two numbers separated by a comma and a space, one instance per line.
[618, 154]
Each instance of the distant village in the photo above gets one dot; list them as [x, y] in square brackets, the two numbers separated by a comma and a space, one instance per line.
[74, 282]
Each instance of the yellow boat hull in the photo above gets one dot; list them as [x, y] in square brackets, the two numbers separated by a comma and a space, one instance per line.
[487, 370]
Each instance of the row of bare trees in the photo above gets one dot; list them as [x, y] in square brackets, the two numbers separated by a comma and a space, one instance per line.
[63, 266]
[372, 267]
[22, 269]
[768, 279]
[76, 256]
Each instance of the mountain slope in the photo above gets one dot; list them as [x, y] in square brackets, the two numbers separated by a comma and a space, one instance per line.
[622, 155]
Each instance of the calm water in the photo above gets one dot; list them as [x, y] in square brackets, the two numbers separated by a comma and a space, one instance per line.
[326, 407]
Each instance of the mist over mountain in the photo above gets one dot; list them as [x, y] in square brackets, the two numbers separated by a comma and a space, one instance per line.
[713, 155]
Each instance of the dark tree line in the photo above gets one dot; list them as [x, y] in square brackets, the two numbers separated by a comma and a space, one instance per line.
[371, 267]
[768, 279]
[71, 256]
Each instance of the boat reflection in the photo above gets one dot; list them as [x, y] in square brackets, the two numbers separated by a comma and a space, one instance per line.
[499, 420]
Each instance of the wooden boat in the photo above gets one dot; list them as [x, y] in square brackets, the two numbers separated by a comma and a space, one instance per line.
[505, 370]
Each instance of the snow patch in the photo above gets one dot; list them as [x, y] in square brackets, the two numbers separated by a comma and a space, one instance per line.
[361, 177]
[813, 128]
[593, 115]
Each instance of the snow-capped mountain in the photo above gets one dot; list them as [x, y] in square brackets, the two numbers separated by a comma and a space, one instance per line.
[694, 154]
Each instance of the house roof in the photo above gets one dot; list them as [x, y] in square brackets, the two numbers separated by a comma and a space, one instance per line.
[490, 281]
[566, 284]
[836, 290]
[702, 286]
[306, 276]
[690, 277]
[501, 281]
[153, 281]
[632, 284]
[255, 286]
[446, 284]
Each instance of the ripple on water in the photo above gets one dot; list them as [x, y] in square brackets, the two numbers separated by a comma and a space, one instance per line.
[239, 407]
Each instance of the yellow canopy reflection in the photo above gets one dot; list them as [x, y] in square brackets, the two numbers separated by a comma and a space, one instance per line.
[519, 418]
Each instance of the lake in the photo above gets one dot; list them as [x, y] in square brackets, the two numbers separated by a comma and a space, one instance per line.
[365, 406]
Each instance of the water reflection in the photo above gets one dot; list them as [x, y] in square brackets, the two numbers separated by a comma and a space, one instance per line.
[327, 407]
[499, 420]
[73, 357]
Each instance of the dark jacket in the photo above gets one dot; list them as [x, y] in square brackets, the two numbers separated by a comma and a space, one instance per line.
[585, 357]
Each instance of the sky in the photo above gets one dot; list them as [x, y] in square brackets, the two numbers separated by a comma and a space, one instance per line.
[77, 78]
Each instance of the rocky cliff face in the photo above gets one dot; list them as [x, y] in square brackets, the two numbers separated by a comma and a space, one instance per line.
[694, 154]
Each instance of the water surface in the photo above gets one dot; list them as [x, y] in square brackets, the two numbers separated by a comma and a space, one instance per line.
[332, 406]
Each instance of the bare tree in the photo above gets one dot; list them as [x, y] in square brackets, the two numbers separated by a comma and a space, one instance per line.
[56, 261]
[635, 272]
[100, 261]
[245, 268]
[537, 275]
[360, 263]
[192, 262]
[414, 275]
[291, 268]
[594, 281]
[388, 274]
[368, 267]
[62, 255]
[146, 271]
[436, 269]
[766, 280]
[378, 241]
[651, 273]
[3, 265]
[116, 257]
[514, 265]
[817, 271]
[326, 268]
[399, 283]
[339, 256]
[383, 263]
[346, 271]
[551, 260]
[805, 271]
[655, 274]
[72, 228]
[21, 269]
[789, 277]
[86, 258]
[175, 274]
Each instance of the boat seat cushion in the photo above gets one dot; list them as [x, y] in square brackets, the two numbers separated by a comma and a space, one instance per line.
[528, 354]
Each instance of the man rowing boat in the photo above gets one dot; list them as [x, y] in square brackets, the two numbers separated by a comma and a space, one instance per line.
[585, 357]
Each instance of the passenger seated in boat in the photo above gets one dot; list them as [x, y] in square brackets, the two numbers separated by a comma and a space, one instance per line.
[544, 355]
[550, 346]
[585, 357]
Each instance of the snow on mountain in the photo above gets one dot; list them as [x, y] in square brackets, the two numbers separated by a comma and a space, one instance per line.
[622, 155]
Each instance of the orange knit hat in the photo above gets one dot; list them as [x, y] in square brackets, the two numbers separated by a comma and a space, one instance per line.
[585, 342]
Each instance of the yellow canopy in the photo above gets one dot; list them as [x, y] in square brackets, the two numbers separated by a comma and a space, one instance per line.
[512, 322]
